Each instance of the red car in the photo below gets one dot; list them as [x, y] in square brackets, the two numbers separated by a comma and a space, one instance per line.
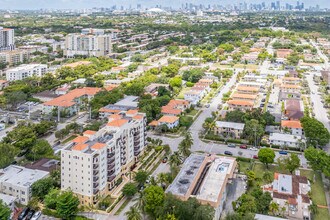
[243, 146]
[255, 157]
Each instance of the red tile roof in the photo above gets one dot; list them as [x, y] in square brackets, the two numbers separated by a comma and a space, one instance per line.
[80, 139]
[67, 100]
[117, 123]
[168, 119]
[291, 124]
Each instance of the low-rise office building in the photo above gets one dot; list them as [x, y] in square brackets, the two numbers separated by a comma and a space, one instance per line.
[204, 178]
[17, 181]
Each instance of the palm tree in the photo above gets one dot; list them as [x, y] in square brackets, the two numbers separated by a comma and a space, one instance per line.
[175, 159]
[184, 149]
[185, 145]
[274, 208]
[313, 208]
[133, 214]
[139, 203]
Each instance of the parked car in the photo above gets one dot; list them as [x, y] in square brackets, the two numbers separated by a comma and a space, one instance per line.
[253, 148]
[243, 146]
[283, 152]
[36, 215]
[29, 215]
[228, 153]
[207, 105]
[231, 145]
[164, 160]
[23, 213]
[255, 157]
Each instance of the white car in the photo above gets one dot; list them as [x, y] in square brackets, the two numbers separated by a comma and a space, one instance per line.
[253, 148]
[36, 215]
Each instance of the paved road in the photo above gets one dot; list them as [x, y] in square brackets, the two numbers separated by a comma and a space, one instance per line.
[321, 54]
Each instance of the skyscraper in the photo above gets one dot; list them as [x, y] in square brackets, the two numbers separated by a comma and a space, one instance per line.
[7, 41]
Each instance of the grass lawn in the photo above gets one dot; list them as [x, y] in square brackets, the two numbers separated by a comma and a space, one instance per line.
[260, 169]
[69, 139]
[248, 66]
[182, 92]
[322, 214]
[192, 113]
[243, 166]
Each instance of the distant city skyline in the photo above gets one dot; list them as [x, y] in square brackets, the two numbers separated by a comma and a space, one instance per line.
[81, 4]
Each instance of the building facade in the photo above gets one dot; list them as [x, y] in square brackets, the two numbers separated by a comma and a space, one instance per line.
[17, 181]
[91, 164]
[14, 57]
[87, 45]
[7, 41]
[26, 70]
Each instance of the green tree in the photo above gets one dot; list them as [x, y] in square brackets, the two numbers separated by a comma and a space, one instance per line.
[318, 159]
[41, 149]
[253, 130]
[51, 198]
[67, 205]
[4, 210]
[289, 163]
[8, 153]
[42, 187]
[266, 156]
[153, 198]
[267, 177]
[245, 204]
[129, 190]
[22, 137]
[274, 208]
[14, 98]
[204, 212]
[236, 216]
[141, 177]
[185, 145]
[235, 116]
[133, 214]
[316, 133]
[176, 81]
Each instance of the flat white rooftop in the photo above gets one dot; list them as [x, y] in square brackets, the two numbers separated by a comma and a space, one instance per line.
[21, 176]
[216, 178]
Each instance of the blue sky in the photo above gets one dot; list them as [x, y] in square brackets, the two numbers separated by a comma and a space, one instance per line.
[78, 4]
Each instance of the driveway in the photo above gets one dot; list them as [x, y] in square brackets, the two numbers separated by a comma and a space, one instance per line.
[234, 190]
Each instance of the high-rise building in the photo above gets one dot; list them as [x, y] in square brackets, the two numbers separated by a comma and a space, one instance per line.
[7, 41]
[91, 164]
[91, 42]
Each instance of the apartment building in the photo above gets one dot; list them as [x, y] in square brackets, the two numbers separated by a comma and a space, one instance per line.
[17, 181]
[87, 45]
[175, 107]
[14, 57]
[229, 129]
[7, 41]
[70, 101]
[204, 178]
[91, 164]
[294, 126]
[285, 140]
[244, 97]
[240, 105]
[247, 89]
[26, 70]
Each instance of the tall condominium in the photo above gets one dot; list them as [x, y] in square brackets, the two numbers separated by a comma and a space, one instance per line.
[91, 42]
[91, 164]
[7, 41]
